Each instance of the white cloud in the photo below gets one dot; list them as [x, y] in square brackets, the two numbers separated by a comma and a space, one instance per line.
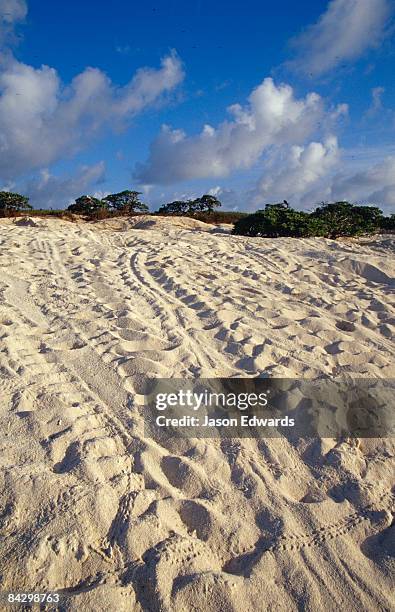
[374, 185]
[377, 104]
[123, 49]
[41, 120]
[49, 191]
[229, 198]
[11, 12]
[273, 116]
[306, 176]
[343, 33]
[292, 173]
[215, 191]
[384, 117]
[146, 189]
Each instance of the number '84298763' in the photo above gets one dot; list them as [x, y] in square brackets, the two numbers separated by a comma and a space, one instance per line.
[20, 598]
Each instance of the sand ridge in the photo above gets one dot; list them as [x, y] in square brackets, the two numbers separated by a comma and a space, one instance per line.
[91, 506]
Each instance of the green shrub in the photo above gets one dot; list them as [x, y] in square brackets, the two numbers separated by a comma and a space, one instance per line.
[278, 220]
[388, 223]
[87, 205]
[125, 202]
[329, 220]
[205, 204]
[178, 207]
[345, 219]
[12, 203]
[220, 216]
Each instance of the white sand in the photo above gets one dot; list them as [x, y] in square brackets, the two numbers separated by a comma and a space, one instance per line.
[86, 312]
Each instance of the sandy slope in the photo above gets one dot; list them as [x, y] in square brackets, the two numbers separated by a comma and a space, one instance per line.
[88, 504]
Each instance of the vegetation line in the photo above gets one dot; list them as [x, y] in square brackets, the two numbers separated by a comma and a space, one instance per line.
[329, 220]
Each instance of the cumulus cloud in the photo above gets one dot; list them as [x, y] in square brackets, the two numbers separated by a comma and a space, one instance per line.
[11, 12]
[50, 191]
[343, 33]
[292, 173]
[375, 185]
[306, 176]
[42, 120]
[378, 111]
[273, 116]
[377, 103]
[229, 198]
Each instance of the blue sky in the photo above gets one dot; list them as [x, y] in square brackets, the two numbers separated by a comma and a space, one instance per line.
[254, 102]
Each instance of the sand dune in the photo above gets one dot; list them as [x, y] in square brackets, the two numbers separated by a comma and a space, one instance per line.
[120, 522]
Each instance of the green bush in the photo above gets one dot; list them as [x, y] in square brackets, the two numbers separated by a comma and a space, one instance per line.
[12, 203]
[278, 220]
[205, 204]
[345, 219]
[125, 202]
[388, 223]
[220, 216]
[178, 207]
[329, 220]
[87, 205]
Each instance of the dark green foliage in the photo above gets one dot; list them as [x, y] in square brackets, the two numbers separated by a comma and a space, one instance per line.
[87, 205]
[179, 207]
[388, 223]
[220, 216]
[11, 203]
[46, 212]
[274, 221]
[205, 204]
[329, 220]
[345, 219]
[125, 202]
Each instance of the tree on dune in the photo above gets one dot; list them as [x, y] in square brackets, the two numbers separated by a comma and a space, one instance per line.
[345, 219]
[125, 202]
[178, 207]
[388, 223]
[330, 220]
[273, 221]
[87, 205]
[12, 203]
[205, 204]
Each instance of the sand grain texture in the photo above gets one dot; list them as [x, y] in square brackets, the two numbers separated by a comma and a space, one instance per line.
[121, 522]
